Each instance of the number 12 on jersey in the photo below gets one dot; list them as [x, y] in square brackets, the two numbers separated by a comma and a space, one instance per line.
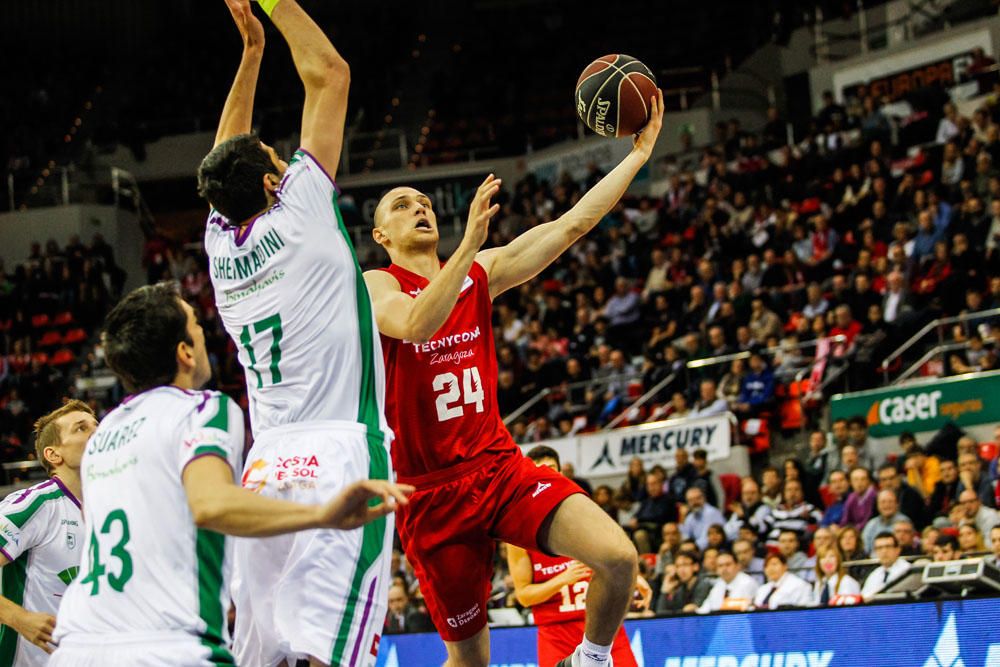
[470, 393]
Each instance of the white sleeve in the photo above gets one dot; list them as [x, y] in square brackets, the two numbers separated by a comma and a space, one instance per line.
[25, 518]
[215, 428]
[308, 191]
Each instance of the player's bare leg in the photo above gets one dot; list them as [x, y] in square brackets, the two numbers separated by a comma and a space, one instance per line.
[580, 529]
[471, 652]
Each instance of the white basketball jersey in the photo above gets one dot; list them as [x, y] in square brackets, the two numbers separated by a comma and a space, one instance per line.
[291, 296]
[147, 567]
[41, 534]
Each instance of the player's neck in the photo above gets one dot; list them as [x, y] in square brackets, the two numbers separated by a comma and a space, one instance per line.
[422, 263]
[71, 480]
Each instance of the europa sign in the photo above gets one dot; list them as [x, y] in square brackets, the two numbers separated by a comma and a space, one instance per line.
[966, 400]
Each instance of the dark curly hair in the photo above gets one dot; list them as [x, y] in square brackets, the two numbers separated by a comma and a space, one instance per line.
[141, 335]
[230, 177]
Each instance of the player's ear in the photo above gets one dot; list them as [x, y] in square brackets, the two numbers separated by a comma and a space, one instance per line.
[53, 456]
[379, 235]
[271, 183]
[185, 357]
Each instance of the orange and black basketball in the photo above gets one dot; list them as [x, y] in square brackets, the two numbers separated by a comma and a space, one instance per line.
[613, 95]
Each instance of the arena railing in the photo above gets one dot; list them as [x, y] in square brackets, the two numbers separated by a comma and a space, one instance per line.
[937, 324]
[583, 384]
[768, 351]
[930, 354]
[641, 401]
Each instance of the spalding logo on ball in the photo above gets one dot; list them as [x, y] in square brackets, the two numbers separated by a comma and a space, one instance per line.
[613, 95]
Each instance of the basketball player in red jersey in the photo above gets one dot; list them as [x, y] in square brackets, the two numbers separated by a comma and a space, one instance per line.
[473, 484]
[555, 588]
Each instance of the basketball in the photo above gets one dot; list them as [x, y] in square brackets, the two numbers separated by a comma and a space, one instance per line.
[613, 95]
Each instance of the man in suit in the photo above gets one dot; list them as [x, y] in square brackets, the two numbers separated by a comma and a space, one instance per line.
[402, 617]
[891, 565]
[783, 589]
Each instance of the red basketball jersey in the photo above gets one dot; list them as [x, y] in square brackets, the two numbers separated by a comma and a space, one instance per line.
[441, 396]
[569, 603]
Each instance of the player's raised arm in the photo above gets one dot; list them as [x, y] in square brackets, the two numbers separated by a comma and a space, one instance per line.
[237, 113]
[417, 319]
[36, 628]
[527, 255]
[325, 75]
[218, 504]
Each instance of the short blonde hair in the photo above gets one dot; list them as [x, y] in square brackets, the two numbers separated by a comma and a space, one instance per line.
[47, 431]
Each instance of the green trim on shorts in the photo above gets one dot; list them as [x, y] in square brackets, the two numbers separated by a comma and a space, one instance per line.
[213, 450]
[211, 550]
[14, 576]
[373, 536]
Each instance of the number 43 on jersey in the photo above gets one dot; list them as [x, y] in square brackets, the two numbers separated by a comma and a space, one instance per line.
[451, 404]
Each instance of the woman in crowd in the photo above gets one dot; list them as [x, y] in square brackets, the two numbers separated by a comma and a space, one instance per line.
[831, 577]
[852, 548]
[970, 540]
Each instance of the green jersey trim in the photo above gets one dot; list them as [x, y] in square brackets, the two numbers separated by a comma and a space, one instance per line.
[211, 549]
[15, 577]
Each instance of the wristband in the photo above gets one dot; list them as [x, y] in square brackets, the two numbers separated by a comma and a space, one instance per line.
[268, 5]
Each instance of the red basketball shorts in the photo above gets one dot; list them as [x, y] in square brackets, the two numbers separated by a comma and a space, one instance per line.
[559, 640]
[453, 520]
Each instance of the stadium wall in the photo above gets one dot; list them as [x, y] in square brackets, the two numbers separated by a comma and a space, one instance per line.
[928, 634]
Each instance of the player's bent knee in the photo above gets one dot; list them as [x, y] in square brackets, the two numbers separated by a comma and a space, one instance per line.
[620, 559]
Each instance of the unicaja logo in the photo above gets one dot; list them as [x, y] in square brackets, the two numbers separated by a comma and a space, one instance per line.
[946, 650]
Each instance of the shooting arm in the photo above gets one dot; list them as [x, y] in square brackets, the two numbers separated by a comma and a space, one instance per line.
[237, 113]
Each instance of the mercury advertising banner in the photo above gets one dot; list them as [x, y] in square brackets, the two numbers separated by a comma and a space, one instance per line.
[608, 453]
[925, 634]
[966, 400]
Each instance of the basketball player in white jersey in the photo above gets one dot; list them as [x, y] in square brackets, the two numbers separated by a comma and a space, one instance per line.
[41, 538]
[290, 294]
[159, 483]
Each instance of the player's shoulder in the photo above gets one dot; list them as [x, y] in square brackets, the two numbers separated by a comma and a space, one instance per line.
[23, 504]
[304, 167]
[382, 278]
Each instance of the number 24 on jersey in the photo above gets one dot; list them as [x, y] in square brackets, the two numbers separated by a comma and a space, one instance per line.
[451, 403]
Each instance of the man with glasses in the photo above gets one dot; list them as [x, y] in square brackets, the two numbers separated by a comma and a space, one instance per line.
[890, 568]
[970, 510]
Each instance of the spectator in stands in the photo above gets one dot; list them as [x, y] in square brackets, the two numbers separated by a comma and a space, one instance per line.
[635, 482]
[685, 474]
[783, 588]
[757, 389]
[946, 548]
[896, 302]
[699, 517]
[970, 476]
[622, 311]
[569, 472]
[839, 490]
[891, 566]
[922, 471]
[750, 511]
[402, 616]
[670, 545]
[860, 505]
[789, 545]
[851, 546]
[771, 487]
[823, 458]
[970, 510]
[948, 125]
[887, 515]
[995, 545]
[945, 490]
[733, 590]
[795, 469]
[831, 578]
[792, 514]
[732, 383]
[709, 402]
[683, 589]
[764, 323]
[858, 433]
[911, 503]
[655, 510]
[970, 540]
[748, 560]
[707, 480]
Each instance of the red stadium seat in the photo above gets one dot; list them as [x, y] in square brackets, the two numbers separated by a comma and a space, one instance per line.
[62, 319]
[988, 450]
[50, 339]
[76, 335]
[40, 357]
[650, 560]
[62, 357]
[40, 320]
[827, 495]
[5, 325]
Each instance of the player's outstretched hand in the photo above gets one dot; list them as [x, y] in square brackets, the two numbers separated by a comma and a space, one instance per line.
[37, 628]
[351, 508]
[250, 27]
[480, 212]
[646, 139]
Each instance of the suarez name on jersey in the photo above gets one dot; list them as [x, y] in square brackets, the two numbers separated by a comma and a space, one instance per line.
[441, 394]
